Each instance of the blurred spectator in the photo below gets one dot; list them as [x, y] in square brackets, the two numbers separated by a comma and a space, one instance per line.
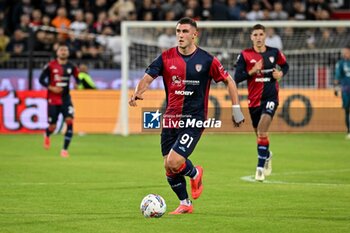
[317, 10]
[171, 5]
[44, 41]
[234, 10]
[267, 4]
[167, 39]
[91, 49]
[4, 41]
[266, 14]
[3, 22]
[86, 82]
[256, 13]
[121, 9]
[89, 20]
[18, 44]
[272, 39]
[36, 17]
[24, 24]
[78, 25]
[342, 36]
[147, 16]
[193, 9]
[46, 21]
[206, 13]
[102, 21]
[99, 6]
[326, 40]
[73, 7]
[170, 16]
[219, 10]
[49, 7]
[147, 7]
[278, 13]
[288, 37]
[61, 22]
[24, 7]
[310, 38]
[298, 11]
[112, 43]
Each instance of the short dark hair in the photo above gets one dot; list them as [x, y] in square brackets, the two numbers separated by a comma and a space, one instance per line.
[62, 44]
[258, 27]
[187, 20]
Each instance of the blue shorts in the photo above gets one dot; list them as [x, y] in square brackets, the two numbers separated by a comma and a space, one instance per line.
[346, 99]
[182, 141]
[266, 107]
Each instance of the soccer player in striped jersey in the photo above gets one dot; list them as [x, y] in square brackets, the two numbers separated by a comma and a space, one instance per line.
[262, 67]
[342, 83]
[55, 77]
[187, 72]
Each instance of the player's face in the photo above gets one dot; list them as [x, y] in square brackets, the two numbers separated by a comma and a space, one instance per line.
[62, 52]
[346, 53]
[258, 38]
[185, 35]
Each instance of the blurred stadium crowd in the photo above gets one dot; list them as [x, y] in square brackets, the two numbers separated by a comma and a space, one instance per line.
[95, 24]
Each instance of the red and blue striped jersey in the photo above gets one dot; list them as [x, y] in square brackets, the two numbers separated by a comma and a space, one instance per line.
[187, 81]
[58, 75]
[261, 86]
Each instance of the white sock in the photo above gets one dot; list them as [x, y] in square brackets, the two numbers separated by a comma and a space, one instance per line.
[186, 202]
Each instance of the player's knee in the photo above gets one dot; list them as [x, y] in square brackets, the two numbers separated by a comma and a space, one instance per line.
[52, 127]
[69, 121]
[173, 165]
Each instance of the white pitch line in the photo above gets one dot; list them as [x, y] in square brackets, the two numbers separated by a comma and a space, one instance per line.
[252, 179]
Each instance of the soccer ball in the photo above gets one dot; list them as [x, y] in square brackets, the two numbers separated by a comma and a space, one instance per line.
[153, 206]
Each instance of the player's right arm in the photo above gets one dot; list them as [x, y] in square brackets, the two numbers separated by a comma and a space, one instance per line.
[141, 87]
[337, 78]
[152, 72]
[44, 80]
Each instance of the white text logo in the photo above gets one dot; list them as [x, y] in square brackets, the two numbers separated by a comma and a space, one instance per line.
[184, 92]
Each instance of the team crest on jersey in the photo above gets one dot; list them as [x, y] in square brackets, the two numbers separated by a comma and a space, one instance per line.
[176, 80]
[69, 70]
[55, 70]
[198, 67]
[172, 67]
[272, 59]
[252, 61]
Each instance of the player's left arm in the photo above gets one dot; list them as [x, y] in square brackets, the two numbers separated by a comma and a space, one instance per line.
[283, 65]
[237, 115]
[218, 73]
[76, 77]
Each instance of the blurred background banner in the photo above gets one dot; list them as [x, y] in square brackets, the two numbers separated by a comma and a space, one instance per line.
[99, 111]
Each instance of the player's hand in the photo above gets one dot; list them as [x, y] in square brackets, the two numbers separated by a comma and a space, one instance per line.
[256, 68]
[132, 100]
[277, 74]
[237, 115]
[336, 91]
[56, 90]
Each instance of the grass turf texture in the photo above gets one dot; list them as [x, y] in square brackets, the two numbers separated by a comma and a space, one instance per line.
[100, 187]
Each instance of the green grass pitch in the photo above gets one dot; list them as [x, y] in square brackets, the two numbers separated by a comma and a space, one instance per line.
[100, 187]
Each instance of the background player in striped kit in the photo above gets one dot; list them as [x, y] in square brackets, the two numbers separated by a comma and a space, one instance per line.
[55, 77]
[262, 66]
[187, 72]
